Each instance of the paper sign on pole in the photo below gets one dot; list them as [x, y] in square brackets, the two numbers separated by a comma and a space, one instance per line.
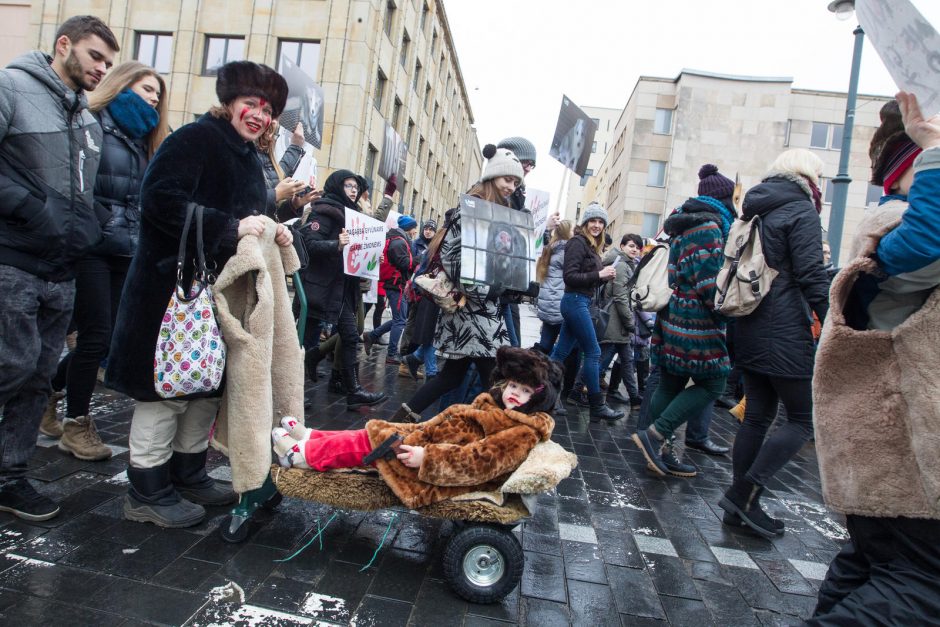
[574, 137]
[907, 44]
[304, 103]
[366, 242]
[536, 201]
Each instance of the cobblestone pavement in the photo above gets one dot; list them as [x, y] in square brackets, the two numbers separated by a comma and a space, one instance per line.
[614, 546]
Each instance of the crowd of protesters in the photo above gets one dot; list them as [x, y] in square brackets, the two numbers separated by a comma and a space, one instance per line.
[96, 191]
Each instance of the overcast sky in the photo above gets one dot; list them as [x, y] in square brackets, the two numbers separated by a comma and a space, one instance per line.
[519, 56]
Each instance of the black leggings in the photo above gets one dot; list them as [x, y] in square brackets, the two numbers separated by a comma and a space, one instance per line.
[450, 377]
[346, 327]
[753, 458]
[379, 310]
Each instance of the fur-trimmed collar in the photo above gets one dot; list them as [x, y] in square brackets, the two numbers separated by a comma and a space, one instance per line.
[776, 190]
[691, 214]
[484, 404]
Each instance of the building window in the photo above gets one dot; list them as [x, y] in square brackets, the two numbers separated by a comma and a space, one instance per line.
[415, 81]
[656, 175]
[427, 97]
[414, 200]
[411, 130]
[662, 123]
[155, 50]
[873, 196]
[587, 174]
[597, 123]
[303, 54]
[433, 41]
[826, 136]
[405, 44]
[390, 17]
[396, 113]
[593, 147]
[420, 148]
[650, 226]
[380, 90]
[370, 164]
[786, 134]
[827, 189]
[424, 15]
[221, 50]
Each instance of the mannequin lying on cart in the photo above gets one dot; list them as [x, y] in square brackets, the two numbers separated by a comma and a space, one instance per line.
[465, 448]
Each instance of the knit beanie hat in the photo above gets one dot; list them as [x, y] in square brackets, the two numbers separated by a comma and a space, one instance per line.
[594, 210]
[406, 223]
[520, 146]
[429, 224]
[713, 184]
[500, 162]
[891, 150]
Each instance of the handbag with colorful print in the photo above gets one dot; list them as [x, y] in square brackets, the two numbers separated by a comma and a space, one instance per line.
[189, 359]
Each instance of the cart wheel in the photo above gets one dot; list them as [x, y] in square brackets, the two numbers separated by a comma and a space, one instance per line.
[483, 564]
[234, 529]
[273, 501]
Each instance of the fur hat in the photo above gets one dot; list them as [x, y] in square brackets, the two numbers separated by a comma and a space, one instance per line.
[247, 78]
[891, 150]
[594, 210]
[713, 184]
[520, 146]
[530, 368]
[500, 162]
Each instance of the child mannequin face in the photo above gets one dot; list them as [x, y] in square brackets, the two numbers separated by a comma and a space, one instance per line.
[516, 394]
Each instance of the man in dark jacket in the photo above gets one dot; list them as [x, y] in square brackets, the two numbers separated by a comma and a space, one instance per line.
[396, 269]
[50, 148]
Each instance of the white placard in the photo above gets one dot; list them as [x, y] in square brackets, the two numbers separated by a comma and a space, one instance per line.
[536, 201]
[366, 241]
[907, 44]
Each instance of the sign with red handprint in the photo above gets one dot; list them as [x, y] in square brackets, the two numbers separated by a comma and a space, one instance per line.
[366, 242]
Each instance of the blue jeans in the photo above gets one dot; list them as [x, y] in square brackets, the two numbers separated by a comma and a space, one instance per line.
[578, 329]
[510, 325]
[399, 309]
[34, 317]
[426, 354]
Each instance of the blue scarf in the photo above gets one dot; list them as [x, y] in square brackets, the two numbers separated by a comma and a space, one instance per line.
[723, 212]
[134, 116]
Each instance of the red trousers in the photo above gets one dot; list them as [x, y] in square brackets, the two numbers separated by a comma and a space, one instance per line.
[326, 450]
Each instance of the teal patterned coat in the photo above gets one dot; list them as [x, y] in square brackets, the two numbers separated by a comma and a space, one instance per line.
[689, 338]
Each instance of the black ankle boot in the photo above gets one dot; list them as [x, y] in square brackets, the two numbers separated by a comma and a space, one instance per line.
[579, 397]
[743, 499]
[152, 498]
[189, 476]
[600, 410]
[405, 414]
[356, 395]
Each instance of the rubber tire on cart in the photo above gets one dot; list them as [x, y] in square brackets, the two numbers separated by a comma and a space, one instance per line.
[483, 564]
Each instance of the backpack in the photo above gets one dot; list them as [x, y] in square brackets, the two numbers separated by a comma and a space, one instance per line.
[744, 278]
[649, 287]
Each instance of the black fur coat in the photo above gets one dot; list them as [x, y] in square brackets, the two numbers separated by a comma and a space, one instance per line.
[206, 163]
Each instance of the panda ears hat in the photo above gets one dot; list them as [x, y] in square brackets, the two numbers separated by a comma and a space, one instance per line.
[501, 162]
[247, 78]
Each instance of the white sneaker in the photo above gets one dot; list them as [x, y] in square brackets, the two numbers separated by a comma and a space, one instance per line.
[295, 428]
[289, 452]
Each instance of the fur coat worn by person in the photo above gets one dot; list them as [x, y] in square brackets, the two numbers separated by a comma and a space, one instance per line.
[264, 361]
[468, 448]
[206, 163]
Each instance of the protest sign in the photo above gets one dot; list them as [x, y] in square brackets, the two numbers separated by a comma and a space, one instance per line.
[366, 242]
[497, 245]
[306, 170]
[536, 201]
[907, 44]
[304, 103]
[574, 137]
[394, 152]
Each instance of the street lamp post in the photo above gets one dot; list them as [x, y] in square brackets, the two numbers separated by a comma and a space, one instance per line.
[841, 181]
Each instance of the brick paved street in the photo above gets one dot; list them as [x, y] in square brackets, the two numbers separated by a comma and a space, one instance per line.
[614, 546]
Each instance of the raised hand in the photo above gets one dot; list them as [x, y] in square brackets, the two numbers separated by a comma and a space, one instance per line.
[924, 132]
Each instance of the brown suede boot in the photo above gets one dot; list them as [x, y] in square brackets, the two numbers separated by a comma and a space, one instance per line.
[81, 439]
[50, 424]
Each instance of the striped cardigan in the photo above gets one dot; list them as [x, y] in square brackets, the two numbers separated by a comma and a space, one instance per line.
[689, 338]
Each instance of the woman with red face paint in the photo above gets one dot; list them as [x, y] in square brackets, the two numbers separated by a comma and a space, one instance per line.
[210, 163]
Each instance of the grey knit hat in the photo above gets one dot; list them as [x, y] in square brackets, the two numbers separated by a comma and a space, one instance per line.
[500, 162]
[594, 210]
[520, 146]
